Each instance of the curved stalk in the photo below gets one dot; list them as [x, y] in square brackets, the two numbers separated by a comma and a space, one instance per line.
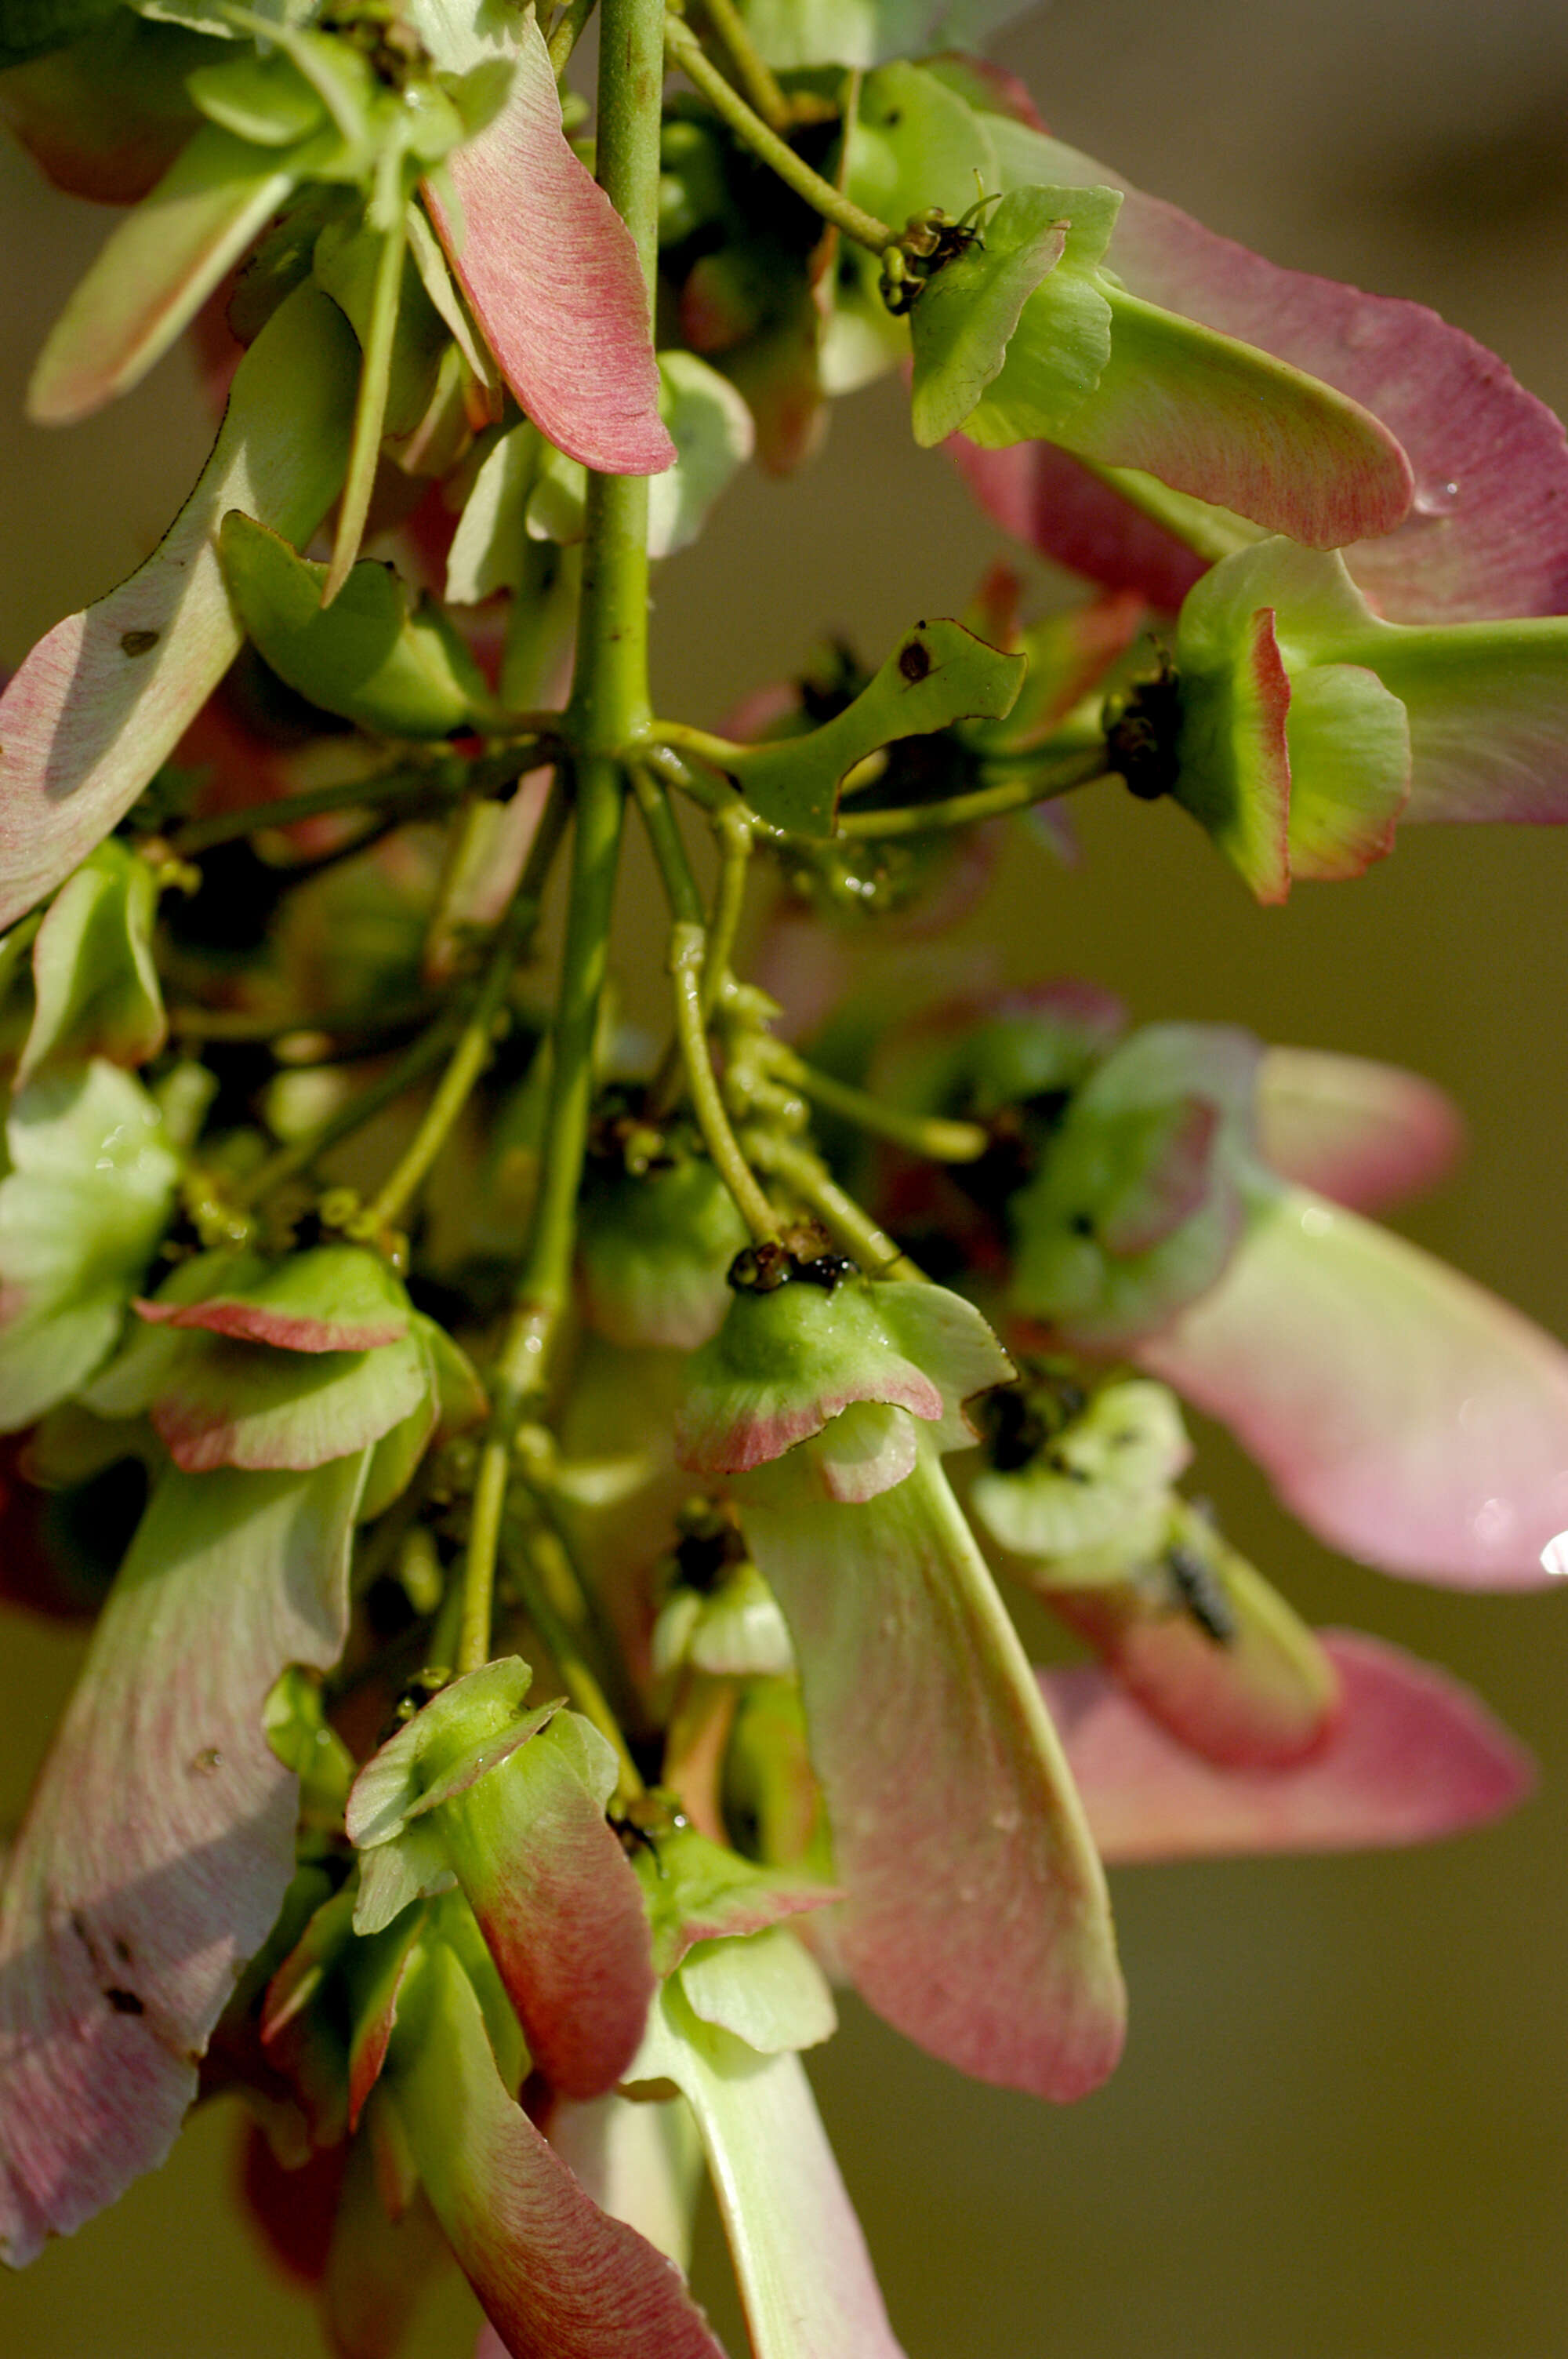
[938, 1140]
[752, 72]
[985, 802]
[734, 831]
[477, 1038]
[687, 960]
[687, 51]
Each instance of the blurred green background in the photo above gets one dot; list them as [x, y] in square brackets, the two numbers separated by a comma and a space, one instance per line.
[1341, 2130]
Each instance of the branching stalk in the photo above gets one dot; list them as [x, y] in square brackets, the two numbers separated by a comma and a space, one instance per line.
[608, 710]
[375, 375]
[687, 51]
[733, 830]
[476, 1037]
[418, 1059]
[756, 77]
[938, 1140]
[985, 802]
[570, 25]
[687, 960]
[577, 1674]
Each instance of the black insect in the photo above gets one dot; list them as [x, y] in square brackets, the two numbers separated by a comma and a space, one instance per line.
[931, 240]
[1142, 735]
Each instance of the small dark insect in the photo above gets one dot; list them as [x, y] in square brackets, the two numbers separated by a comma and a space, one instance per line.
[139, 642]
[801, 1255]
[125, 2002]
[761, 1269]
[930, 241]
[1201, 1594]
[824, 1269]
[915, 660]
[646, 1820]
[1142, 733]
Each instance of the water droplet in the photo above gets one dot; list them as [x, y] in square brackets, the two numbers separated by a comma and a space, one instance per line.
[1435, 500]
[1008, 1820]
[207, 1760]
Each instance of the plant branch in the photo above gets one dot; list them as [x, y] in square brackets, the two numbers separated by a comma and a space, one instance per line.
[419, 788]
[477, 1038]
[570, 25]
[669, 851]
[608, 709]
[756, 75]
[577, 1674]
[687, 51]
[416, 1061]
[733, 830]
[985, 802]
[686, 961]
[927, 1135]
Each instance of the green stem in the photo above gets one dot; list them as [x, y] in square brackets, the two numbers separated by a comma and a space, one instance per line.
[418, 787]
[521, 1365]
[756, 76]
[855, 1230]
[478, 1588]
[577, 1675]
[608, 710]
[928, 1135]
[477, 1038]
[687, 960]
[687, 51]
[570, 28]
[669, 851]
[661, 757]
[467, 1061]
[733, 830]
[985, 802]
[375, 375]
[352, 1023]
[416, 1061]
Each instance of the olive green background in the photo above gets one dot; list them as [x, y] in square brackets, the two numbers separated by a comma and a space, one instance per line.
[1341, 2130]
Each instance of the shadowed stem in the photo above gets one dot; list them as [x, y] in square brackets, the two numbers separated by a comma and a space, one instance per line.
[609, 709]
[734, 831]
[985, 802]
[577, 1675]
[753, 72]
[687, 51]
[570, 26]
[477, 1040]
[938, 1140]
[438, 786]
[416, 1061]
[688, 961]
[375, 374]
